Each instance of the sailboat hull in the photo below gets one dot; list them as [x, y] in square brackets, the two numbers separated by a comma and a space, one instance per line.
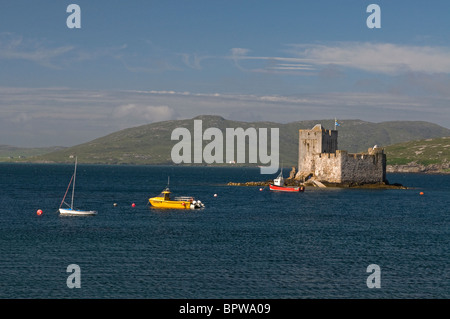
[70, 211]
[74, 212]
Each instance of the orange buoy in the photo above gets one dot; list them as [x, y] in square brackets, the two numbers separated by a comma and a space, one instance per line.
[39, 212]
[421, 193]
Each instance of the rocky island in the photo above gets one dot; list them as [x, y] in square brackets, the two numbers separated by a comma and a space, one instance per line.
[322, 164]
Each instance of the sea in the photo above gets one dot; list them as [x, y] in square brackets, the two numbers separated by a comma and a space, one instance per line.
[247, 243]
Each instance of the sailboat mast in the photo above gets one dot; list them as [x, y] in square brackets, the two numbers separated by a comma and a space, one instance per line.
[73, 186]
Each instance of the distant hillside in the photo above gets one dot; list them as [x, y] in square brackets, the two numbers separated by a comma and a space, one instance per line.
[429, 155]
[12, 153]
[152, 144]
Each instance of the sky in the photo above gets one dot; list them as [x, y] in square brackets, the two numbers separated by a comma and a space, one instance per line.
[137, 62]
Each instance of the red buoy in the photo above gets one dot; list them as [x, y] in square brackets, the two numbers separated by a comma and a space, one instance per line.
[133, 205]
[39, 212]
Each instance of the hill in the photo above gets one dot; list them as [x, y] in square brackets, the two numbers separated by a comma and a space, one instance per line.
[429, 155]
[12, 153]
[152, 144]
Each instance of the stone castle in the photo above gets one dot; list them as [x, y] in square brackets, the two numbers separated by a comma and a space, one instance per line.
[320, 160]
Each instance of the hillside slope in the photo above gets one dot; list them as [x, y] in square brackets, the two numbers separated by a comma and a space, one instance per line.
[152, 144]
[429, 155]
[11, 153]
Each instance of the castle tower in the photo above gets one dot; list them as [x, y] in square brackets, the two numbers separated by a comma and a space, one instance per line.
[318, 157]
[311, 143]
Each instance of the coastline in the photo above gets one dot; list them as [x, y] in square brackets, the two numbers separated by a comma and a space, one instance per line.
[407, 168]
[419, 168]
[290, 182]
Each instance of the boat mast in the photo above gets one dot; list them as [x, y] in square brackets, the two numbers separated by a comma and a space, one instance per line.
[73, 186]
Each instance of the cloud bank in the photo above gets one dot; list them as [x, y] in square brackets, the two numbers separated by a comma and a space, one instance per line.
[61, 116]
[380, 58]
[145, 113]
[392, 82]
[385, 58]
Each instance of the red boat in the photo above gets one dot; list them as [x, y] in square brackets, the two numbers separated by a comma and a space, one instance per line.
[278, 185]
[287, 188]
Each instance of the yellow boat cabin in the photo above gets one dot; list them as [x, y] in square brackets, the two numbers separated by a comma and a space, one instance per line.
[163, 200]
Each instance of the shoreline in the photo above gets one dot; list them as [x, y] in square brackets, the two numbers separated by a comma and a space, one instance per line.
[326, 184]
[391, 169]
[418, 168]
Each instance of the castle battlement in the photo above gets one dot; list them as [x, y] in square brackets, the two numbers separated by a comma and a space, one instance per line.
[327, 155]
[320, 158]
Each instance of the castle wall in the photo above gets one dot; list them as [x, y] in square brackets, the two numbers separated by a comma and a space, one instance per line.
[363, 168]
[341, 167]
[327, 167]
[329, 141]
[319, 156]
[313, 142]
[309, 143]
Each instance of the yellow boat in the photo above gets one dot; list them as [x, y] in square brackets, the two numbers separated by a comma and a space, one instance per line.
[163, 200]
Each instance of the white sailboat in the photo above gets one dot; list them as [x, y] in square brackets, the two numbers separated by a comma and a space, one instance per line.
[71, 211]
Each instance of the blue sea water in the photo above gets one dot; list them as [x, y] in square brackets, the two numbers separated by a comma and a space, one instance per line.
[246, 243]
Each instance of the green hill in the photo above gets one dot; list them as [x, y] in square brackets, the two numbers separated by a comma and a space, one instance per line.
[152, 144]
[12, 153]
[428, 155]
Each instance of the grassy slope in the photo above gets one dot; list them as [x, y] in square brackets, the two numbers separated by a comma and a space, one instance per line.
[423, 152]
[9, 153]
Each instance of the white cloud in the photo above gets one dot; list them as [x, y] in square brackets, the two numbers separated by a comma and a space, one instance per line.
[143, 113]
[193, 61]
[239, 52]
[384, 58]
[39, 51]
[380, 58]
[13, 46]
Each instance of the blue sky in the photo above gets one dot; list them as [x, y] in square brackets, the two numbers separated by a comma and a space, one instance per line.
[137, 62]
